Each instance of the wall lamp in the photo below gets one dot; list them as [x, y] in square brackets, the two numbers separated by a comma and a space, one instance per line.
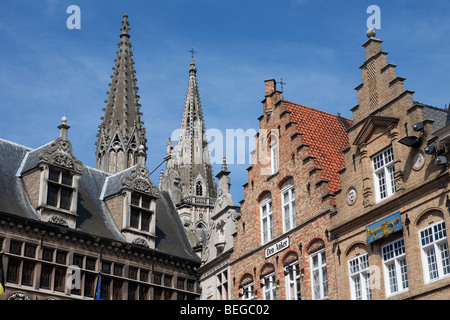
[246, 290]
[431, 149]
[441, 160]
[294, 267]
[264, 281]
[412, 141]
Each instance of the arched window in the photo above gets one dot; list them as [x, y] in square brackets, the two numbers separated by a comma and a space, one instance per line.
[288, 205]
[199, 188]
[265, 208]
[434, 246]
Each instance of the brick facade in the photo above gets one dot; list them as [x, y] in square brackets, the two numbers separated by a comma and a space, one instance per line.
[384, 116]
[286, 124]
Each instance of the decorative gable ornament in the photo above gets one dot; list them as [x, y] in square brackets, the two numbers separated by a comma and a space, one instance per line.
[139, 180]
[370, 124]
[60, 155]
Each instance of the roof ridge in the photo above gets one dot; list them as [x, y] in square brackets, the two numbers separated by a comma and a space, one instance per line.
[315, 109]
[16, 144]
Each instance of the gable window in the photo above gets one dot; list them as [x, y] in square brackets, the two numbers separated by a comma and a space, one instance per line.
[384, 171]
[288, 205]
[395, 271]
[140, 214]
[274, 157]
[360, 286]
[60, 190]
[319, 275]
[266, 221]
[435, 253]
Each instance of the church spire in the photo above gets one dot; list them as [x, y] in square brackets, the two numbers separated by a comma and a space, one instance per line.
[188, 177]
[193, 152]
[121, 132]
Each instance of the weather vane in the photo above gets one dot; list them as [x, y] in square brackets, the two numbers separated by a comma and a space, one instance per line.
[192, 51]
[282, 87]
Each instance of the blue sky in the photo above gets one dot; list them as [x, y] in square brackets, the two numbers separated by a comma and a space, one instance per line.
[47, 70]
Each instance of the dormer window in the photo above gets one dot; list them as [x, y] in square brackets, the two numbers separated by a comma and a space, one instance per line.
[60, 190]
[140, 214]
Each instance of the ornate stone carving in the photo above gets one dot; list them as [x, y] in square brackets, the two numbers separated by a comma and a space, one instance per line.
[140, 242]
[139, 180]
[367, 199]
[18, 296]
[58, 220]
[60, 154]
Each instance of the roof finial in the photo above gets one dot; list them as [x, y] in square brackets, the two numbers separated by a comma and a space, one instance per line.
[371, 33]
[125, 26]
[224, 164]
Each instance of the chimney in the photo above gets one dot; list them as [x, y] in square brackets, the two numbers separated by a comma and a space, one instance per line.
[271, 86]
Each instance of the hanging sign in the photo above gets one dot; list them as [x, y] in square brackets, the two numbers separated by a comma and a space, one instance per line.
[384, 227]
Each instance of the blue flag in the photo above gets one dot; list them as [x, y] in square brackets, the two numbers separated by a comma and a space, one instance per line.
[97, 290]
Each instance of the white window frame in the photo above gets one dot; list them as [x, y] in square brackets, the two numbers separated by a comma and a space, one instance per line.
[292, 281]
[383, 174]
[319, 277]
[434, 252]
[359, 276]
[270, 287]
[288, 207]
[394, 267]
[248, 292]
[274, 157]
[266, 220]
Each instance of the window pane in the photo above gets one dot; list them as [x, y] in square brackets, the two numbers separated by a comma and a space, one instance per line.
[46, 273]
[13, 270]
[66, 179]
[145, 224]
[134, 218]
[382, 185]
[53, 175]
[443, 247]
[52, 195]
[432, 264]
[135, 199]
[145, 202]
[65, 198]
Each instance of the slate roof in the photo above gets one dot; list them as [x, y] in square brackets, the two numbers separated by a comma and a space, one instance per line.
[94, 216]
[326, 136]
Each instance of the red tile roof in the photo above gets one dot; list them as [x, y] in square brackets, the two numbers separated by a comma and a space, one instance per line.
[326, 136]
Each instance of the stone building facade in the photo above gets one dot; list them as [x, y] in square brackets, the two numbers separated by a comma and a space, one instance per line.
[282, 247]
[64, 224]
[389, 229]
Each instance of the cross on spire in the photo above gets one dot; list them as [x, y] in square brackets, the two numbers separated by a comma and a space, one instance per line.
[192, 51]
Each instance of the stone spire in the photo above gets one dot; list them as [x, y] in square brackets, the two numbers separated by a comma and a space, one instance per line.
[188, 177]
[121, 132]
[193, 153]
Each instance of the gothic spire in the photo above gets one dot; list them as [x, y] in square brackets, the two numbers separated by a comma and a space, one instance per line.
[188, 176]
[121, 132]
